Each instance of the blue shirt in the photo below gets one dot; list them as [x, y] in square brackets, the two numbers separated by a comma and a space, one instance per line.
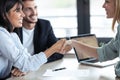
[12, 53]
[111, 51]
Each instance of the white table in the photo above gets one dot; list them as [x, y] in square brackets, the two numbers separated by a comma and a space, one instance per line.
[70, 62]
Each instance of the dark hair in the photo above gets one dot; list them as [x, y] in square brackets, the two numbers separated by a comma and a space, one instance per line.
[5, 6]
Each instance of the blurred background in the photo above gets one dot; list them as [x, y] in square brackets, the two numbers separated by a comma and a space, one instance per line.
[75, 17]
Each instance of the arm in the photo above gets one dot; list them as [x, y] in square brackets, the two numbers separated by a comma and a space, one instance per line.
[17, 73]
[12, 49]
[83, 48]
[102, 53]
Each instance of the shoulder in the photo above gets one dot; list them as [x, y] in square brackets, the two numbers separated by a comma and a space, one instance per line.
[3, 32]
[43, 24]
[43, 21]
[118, 30]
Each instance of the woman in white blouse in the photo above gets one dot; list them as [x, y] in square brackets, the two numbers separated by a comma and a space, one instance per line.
[12, 52]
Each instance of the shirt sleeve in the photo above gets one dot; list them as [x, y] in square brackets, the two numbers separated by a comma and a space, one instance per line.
[13, 50]
[108, 51]
[111, 50]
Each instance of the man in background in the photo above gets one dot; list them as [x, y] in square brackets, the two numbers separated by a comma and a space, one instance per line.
[36, 34]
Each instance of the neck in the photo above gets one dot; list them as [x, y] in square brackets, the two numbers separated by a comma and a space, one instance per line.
[28, 25]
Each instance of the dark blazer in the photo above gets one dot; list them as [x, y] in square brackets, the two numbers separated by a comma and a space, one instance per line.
[43, 38]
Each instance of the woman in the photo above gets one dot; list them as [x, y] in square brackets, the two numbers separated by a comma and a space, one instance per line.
[110, 50]
[12, 52]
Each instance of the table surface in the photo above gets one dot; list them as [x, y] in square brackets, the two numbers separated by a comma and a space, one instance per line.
[70, 62]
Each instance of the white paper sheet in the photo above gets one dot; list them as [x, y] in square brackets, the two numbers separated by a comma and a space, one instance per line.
[67, 72]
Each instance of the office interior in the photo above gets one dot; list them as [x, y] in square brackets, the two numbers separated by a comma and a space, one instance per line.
[76, 17]
[71, 18]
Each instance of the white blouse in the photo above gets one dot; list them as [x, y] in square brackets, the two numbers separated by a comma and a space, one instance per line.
[12, 53]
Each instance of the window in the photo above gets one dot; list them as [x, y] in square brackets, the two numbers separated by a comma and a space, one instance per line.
[100, 25]
[61, 14]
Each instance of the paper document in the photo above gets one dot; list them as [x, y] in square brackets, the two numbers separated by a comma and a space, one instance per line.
[67, 72]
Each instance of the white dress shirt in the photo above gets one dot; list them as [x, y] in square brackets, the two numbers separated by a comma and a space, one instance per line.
[12, 53]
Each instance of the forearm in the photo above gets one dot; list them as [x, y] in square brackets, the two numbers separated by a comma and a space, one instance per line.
[85, 49]
[49, 52]
[57, 47]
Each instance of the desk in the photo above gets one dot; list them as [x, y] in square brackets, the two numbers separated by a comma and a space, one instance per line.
[70, 62]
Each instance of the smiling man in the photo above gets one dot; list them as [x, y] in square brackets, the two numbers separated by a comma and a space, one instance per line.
[36, 34]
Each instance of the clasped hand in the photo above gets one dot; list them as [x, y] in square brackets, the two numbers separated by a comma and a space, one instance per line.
[60, 46]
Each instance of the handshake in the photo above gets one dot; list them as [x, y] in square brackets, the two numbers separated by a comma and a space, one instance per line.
[61, 46]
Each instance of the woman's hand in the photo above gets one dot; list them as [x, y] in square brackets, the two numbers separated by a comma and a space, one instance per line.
[17, 73]
[67, 46]
[57, 47]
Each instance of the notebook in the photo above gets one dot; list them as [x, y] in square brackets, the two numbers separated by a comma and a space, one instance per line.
[90, 39]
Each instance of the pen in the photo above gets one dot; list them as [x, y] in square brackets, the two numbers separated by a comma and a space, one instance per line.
[59, 69]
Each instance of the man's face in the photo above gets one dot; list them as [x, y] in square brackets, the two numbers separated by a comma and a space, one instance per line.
[30, 11]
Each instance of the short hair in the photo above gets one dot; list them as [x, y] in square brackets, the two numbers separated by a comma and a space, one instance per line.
[5, 6]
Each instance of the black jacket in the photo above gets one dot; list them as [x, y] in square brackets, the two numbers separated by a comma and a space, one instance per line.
[43, 38]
